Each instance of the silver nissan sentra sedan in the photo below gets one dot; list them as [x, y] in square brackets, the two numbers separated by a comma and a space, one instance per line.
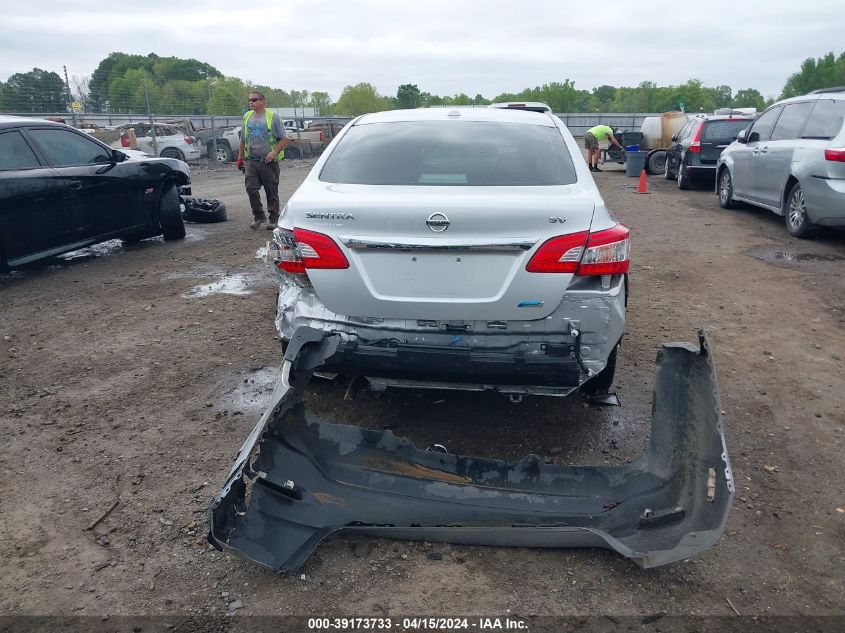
[456, 248]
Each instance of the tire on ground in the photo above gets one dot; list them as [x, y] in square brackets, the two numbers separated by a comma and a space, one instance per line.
[169, 213]
[203, 210]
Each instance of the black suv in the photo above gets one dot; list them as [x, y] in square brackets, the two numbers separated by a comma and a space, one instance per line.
[61, 189]
[696, 148]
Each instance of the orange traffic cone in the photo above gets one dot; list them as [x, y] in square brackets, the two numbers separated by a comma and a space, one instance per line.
[643, 186]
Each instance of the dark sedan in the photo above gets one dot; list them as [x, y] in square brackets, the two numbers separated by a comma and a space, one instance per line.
[61, 190]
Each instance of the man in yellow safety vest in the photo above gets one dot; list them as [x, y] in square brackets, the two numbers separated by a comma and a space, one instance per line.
[263, 142]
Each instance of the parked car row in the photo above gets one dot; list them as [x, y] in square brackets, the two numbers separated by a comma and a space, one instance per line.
[790, 159]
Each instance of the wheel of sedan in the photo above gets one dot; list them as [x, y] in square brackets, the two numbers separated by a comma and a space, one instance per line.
[795, 213]
[726, 190]
[170, 214]
[172, 152]
[683, 178]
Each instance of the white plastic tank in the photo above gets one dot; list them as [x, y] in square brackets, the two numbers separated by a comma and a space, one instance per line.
[658, 130]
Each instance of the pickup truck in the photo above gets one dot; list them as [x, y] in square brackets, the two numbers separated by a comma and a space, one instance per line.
[305, 144]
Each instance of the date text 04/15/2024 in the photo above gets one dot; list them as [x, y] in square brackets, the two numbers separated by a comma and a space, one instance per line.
[416, 624]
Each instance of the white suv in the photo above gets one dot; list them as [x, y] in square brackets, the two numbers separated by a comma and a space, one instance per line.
[791, 160]
[463, 248]
[171, 142]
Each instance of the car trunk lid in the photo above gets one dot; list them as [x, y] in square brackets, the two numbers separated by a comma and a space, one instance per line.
[458, 257]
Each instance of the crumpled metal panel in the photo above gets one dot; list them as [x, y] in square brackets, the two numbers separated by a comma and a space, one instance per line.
[298, 478]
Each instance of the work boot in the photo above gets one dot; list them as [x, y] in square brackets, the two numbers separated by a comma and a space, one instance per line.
[596, 168]
[256, 224]
[271, 225]
[590, 166]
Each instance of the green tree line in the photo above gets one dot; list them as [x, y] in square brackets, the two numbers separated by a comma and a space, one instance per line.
[171, 85]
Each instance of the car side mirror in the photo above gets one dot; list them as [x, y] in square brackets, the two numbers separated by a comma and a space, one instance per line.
[117, 156]
[741, 137]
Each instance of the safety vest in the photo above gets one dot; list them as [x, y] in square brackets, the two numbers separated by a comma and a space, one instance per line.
[273, 139]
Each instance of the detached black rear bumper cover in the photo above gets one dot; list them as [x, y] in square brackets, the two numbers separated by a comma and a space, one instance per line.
[297, 479]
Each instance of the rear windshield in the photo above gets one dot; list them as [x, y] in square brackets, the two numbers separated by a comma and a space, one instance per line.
[450, 153]
[723, 130]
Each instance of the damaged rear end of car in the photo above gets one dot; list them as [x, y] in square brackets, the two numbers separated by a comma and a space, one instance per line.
[299, 478]
[466, 250]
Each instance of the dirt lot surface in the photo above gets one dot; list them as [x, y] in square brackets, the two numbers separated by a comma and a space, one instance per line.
[134, 373]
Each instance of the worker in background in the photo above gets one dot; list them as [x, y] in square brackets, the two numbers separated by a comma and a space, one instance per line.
[263, 142]
[591, 143]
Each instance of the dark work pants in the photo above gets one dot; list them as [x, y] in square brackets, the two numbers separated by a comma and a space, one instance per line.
[260, 174]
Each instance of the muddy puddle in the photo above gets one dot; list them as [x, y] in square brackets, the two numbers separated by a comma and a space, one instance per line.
[799, 258]
[111, 247]
[238, 284]
[192, 234]
[248, 394]
[102, 249]
[222, 282]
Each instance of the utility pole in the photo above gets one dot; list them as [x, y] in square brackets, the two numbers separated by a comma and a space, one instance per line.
[69, 99]
[150, 115]
[213, 129]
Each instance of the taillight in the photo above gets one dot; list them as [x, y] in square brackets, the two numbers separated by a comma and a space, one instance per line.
[836, 155]
[695, 145]
[124, 140]
[584, 253]
[319, 251]
[322, 137]
[607, 253]
[189, 140]
[560, 254]
[295, 267]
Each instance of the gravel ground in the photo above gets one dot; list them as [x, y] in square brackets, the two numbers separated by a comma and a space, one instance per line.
[132, 374]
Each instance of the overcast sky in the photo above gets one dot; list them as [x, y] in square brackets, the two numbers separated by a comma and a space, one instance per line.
[445, 47]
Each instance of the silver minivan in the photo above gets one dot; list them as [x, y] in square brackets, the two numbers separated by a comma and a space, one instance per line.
[791, 160]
